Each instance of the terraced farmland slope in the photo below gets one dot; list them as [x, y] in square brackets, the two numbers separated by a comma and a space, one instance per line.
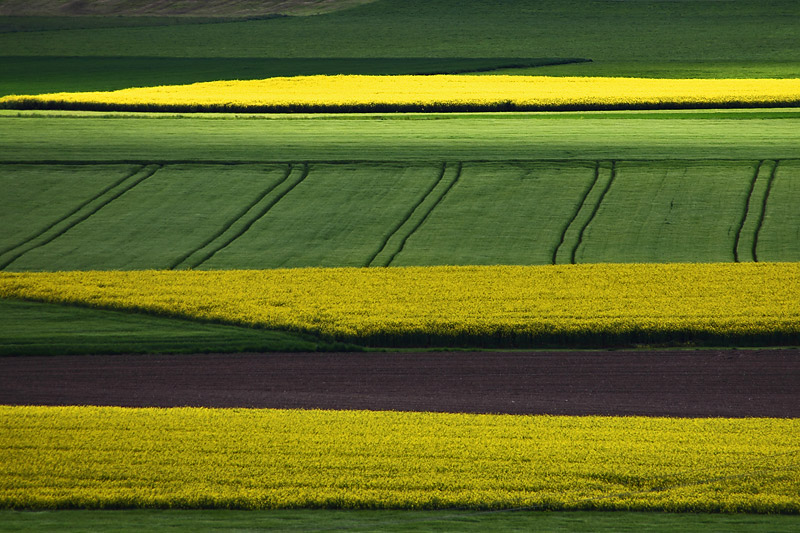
[269, 215]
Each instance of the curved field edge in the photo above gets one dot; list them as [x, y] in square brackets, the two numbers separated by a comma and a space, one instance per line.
[113, 458]
[33, 328]
[437, 93]
[587, 305]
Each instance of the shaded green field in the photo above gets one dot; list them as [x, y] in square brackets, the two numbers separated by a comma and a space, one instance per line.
[30, 328]
[270, 215]
[729, 35]
[322, 520]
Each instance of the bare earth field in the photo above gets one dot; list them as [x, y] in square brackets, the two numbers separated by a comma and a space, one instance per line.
[703, 383]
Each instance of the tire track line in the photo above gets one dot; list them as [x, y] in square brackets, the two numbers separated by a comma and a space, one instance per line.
[407, 216]
[578, 209]
[71, 213]
[135, 179]
[282, 189]
[447, 185]
[738, 238]
[596, 207]
[227, 226]
[764, 209]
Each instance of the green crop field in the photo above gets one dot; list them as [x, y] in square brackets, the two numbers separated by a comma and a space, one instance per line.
[92, 192]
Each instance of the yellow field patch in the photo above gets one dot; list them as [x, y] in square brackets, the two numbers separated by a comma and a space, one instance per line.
[435, 92]
[104, 457]
[491, 305]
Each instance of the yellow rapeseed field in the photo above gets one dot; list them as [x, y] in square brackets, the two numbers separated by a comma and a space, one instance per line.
[471, 305]
[440, 92]
[107, 457]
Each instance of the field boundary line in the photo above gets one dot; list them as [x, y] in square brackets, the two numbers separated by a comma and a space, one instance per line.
[43, 239]
[445, 184]
[605, 178]
[283, 188]
[407, 216]
[760, 223]
[742, 244]
[185, 257]
[578, 208]
[83, 204]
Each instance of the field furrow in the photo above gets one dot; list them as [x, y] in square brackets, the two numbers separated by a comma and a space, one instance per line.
[337, 216]
[238, 226]
[23, 206]
[669, 212]
[779, 234]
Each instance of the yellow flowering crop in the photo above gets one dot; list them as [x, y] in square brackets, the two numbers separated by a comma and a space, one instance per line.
[106, 457]
[440, 92]
[470, 305]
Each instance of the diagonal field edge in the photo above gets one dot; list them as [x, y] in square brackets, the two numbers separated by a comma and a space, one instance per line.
[146, 173]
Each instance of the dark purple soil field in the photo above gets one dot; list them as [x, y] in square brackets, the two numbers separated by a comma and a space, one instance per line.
[704, 383]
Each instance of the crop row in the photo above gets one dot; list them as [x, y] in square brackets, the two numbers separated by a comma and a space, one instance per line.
[106, 457]
[428, 93]
[593, 304]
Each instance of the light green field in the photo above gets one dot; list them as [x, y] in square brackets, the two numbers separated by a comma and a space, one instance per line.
[780, 232]
[89, 137]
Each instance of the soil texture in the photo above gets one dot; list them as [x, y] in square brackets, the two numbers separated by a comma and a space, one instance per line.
[703, 383]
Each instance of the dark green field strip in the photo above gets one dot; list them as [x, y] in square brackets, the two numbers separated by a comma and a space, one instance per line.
[645, 30]
[337, 216]
[32, 328]
[779, 235]
[36, 75]
[38, 197]
[180, 521]
[399, 138]
[669, 212]
[77, 215]
[159, 221]
[500, 213]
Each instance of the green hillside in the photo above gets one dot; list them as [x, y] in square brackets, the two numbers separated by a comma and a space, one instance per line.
[702, 38]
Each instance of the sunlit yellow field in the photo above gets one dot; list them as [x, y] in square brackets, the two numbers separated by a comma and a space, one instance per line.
[436, 92]
[492, 305]
[101, 457]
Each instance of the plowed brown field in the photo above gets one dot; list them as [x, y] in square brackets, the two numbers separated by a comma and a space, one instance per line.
[705, 383]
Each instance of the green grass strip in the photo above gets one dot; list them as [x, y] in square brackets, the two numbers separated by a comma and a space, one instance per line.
[197, 521]
[188, 458]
